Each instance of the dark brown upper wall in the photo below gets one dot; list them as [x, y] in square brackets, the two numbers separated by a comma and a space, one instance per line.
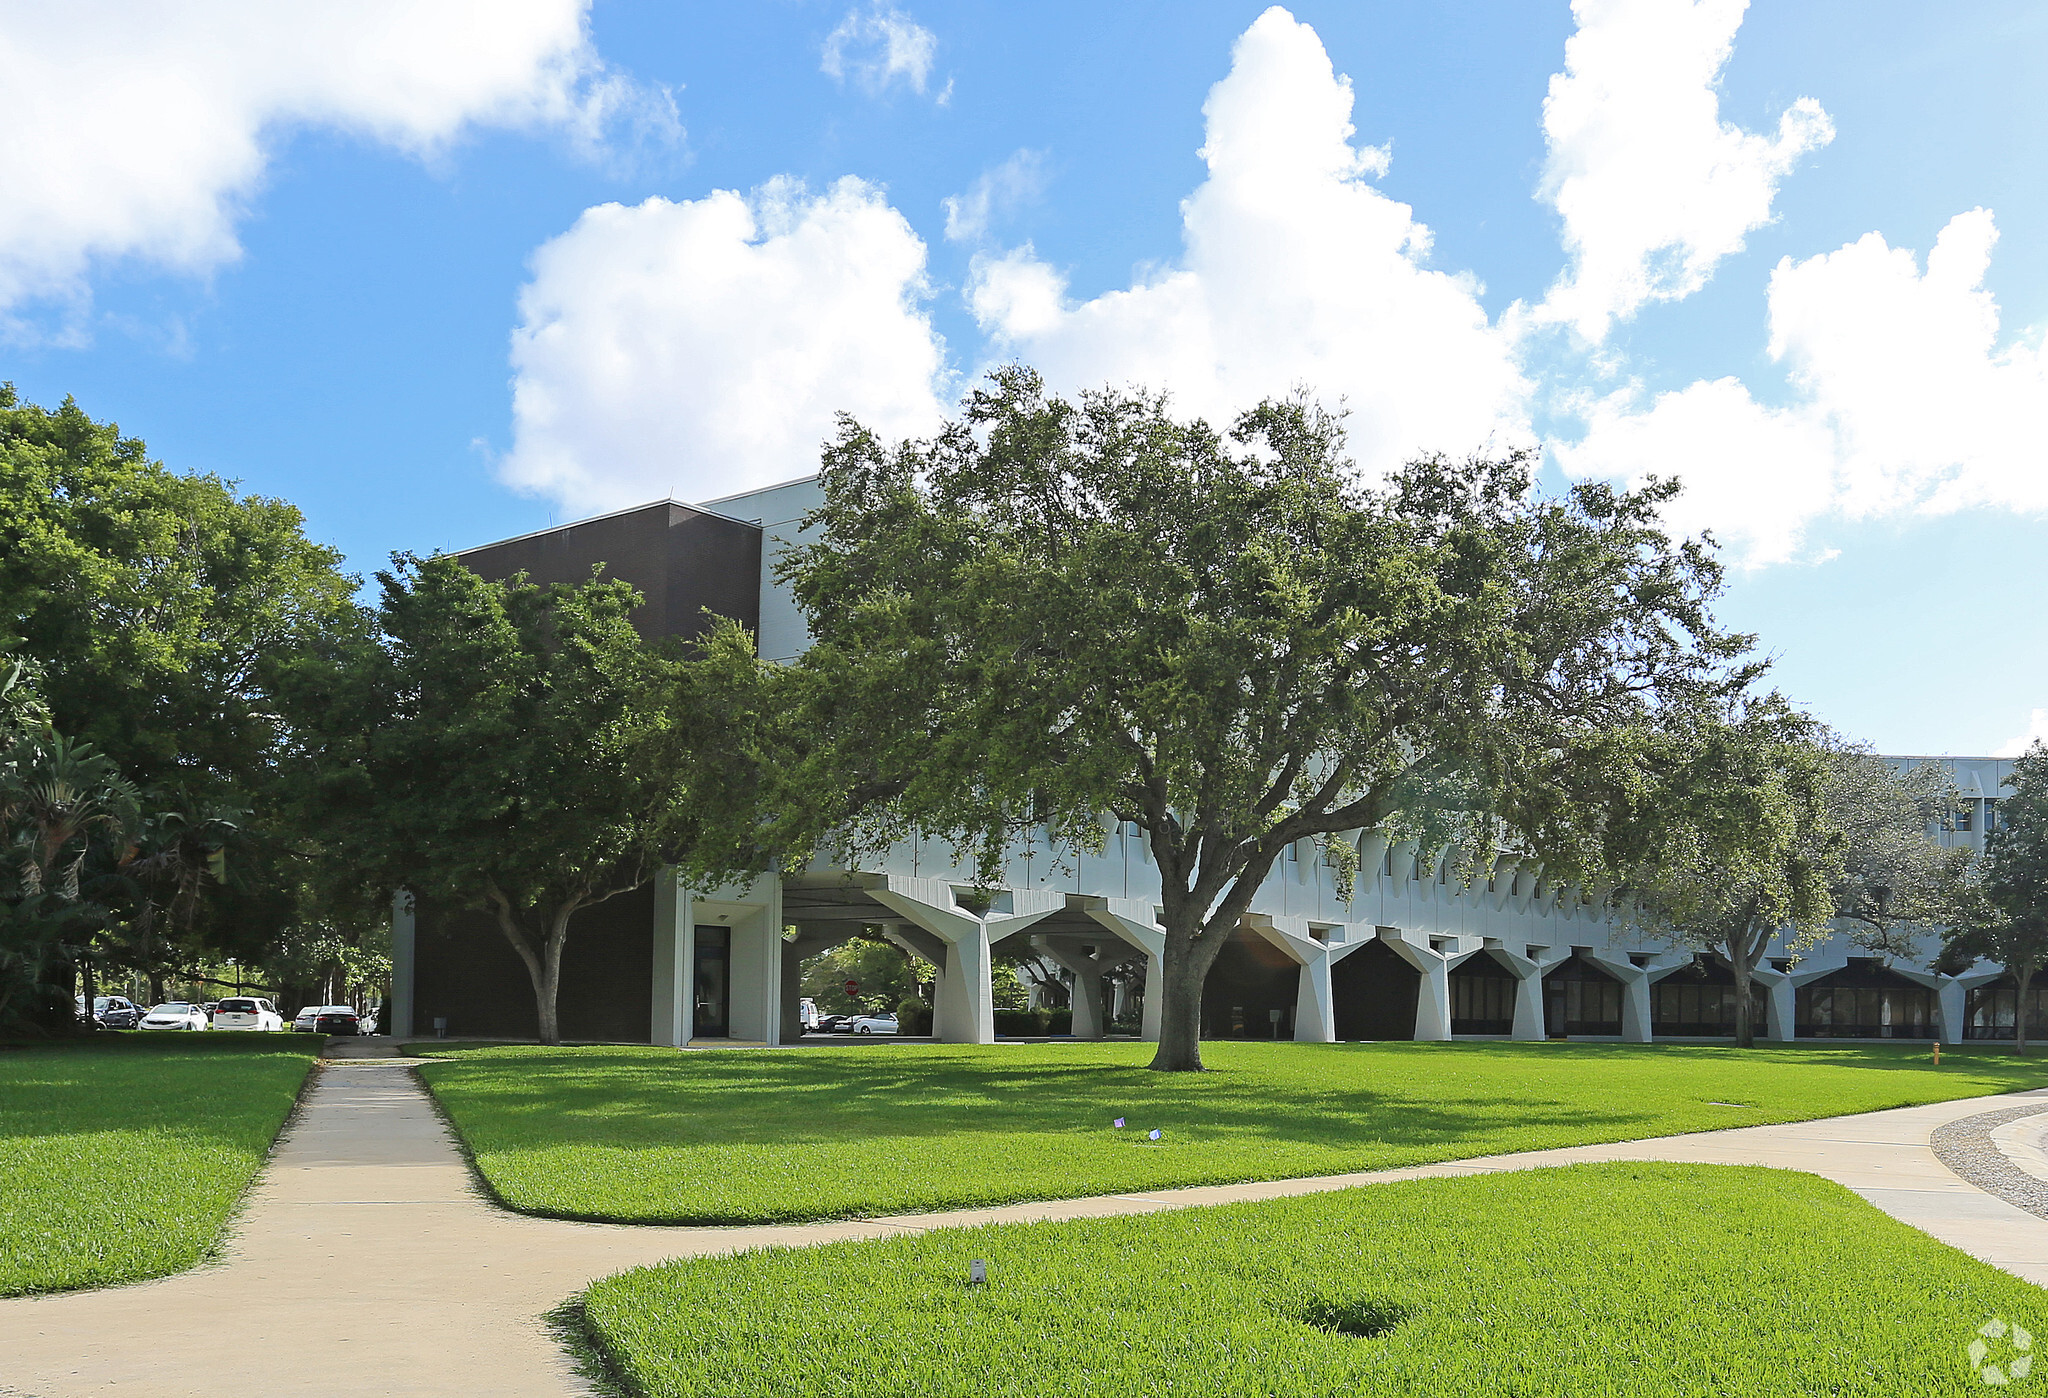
[682, 561]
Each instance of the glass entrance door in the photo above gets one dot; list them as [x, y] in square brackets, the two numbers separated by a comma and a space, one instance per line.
[714, 983]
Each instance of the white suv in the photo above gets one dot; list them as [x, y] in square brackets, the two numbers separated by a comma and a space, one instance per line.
[246, 1012]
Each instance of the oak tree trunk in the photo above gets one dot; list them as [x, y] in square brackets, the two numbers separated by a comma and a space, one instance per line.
[1183, 970]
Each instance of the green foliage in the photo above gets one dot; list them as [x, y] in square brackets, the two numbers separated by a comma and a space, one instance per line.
[1895, 885]
[60, 803]
[506, 747]
[2008, 921]
[1592, 1280]
[886, 975]
[913, 1016]
[122, 1158]
[147, 603]
[149, 598]
[642, 1135]
[1744, 848]
[1059, 610]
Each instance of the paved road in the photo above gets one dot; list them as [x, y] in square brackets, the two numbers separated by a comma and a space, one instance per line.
[365, 1256]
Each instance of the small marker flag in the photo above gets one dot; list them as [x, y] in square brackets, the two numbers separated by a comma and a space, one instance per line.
[1155, 1134]
[1118, 1123]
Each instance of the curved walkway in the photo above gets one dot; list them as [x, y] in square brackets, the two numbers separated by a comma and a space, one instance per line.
[366, 1262]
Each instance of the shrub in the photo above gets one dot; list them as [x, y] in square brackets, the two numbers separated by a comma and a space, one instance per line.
[913, 1016]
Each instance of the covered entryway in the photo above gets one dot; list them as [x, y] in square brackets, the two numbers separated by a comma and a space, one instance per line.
[1251, 990]
[1580, 997]
[1373, 993]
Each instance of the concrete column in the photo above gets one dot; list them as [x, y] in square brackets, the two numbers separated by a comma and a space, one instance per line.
[754, 1010]
[668, 1020]
[1780, 1012]
[1433, 999]
[1315, 1019]
[1528, 996]
[1131, 920]
[1954, 1004]
[404, 961]
[965, 1012]
[1088, 960]
[1635, 997]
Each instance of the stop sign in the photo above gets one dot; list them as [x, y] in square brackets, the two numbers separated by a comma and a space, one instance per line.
[852, 986]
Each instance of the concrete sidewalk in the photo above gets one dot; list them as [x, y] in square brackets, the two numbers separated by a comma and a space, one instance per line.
[365, 1259]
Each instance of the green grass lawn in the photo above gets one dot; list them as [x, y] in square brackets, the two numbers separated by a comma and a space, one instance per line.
[655, 1136]
[121, 1158]
[1613, 1279]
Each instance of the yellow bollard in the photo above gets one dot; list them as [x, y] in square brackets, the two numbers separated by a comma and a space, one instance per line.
[1937, 1053]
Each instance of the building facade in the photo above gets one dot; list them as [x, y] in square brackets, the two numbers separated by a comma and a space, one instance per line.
[1419, 949]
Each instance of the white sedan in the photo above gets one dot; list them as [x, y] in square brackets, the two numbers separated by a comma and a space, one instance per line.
[872, 1024]
[176, 1014]
[247, 1012]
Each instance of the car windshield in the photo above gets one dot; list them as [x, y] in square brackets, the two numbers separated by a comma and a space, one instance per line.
[238, 1007]
[176, 1007]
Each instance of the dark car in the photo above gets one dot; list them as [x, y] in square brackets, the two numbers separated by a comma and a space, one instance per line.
[832, 1024]
[337, 1021]
[111, 1011]
[117, 1013]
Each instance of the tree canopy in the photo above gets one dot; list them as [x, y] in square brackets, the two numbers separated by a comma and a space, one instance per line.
[2010, 920]
[1056, 610]
[1739, 846]
[148, 598]
[505, 747]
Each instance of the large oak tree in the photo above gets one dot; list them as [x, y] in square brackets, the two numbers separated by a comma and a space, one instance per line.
[1058, 610]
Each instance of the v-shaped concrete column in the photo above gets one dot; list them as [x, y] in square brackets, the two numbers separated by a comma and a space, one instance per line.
[965, 1012]
[1131, 919]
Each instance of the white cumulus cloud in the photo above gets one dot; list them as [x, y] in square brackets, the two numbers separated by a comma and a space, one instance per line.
[1295, 270]
[1903, 399]
[2037, 732]
[702, 347]
[995, 192]
[878, 46]
[140, 129]
[1653, 187]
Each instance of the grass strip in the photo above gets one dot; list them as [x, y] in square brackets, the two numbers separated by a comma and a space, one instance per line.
[121, 1157]
[1588, 1281]
[644, 1135]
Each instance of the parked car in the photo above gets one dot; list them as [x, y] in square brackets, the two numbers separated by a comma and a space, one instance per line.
[302, 1022]
[369, 1025]
[830, 1024]
[337, 1019]
[110, 1011]
[176, 1014]
[874, 1024]
[247, 1012]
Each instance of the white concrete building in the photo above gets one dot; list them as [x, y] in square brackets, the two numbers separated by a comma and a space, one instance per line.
[1415, 951]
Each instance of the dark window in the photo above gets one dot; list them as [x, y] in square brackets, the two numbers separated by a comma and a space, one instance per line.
[1580, 998]
[1865, 1000]
[1482, 996]
[1682, 1006]
[1990, 1010]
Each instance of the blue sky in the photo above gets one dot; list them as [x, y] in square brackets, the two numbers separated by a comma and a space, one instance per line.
[361, 257]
